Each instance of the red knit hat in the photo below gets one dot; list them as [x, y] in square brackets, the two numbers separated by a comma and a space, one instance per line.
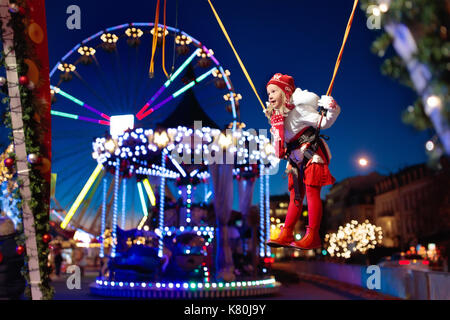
[284, 82]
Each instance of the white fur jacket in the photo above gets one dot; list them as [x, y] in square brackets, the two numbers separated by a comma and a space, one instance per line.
[305, 114]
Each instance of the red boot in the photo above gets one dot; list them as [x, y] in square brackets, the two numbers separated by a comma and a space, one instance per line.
[286, 236]
[311, 240]
[284, 239]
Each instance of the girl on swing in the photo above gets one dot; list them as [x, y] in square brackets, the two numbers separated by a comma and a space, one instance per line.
[294, 118]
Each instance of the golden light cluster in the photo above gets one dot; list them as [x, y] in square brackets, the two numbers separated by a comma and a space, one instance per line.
[134, 32]
[86, 51]
[160, 32]
[182, 40]
[161, 139]
[217, 74]
[66, 67]
[203, 54]
[236, 97]
[225, 140]
[109, 38]
[353, 237]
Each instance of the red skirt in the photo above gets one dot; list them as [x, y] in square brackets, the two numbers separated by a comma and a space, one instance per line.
[318, 174]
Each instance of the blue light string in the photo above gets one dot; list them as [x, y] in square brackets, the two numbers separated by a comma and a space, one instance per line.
[261, 211]
[114, 222]
[188, 203]
[161, 203]
[268, 253]
[124, 195]
[103, 223]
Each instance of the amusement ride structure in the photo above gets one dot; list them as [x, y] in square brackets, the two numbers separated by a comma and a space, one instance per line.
[154, 241]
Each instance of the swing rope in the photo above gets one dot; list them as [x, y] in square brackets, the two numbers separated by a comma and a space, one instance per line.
[344, 41]
[155, 40]
[174, 39]
[236, 54]
[336, 67]
[338, 62]
[164, 43]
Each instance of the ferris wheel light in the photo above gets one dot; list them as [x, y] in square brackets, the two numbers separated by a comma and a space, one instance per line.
[134, 32]
[160, 32]
[109, 38]
[66, 67]
[86, 51]
[81, 196]
[236, 97]
[182, 40]
[205, 53]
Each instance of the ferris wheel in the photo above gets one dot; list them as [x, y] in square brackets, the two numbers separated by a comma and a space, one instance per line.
[102, 85]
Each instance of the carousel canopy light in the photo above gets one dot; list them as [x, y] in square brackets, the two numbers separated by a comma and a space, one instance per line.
[161, 139]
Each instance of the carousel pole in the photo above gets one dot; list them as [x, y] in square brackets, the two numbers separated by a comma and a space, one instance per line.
[261, 211]
[103, 221]
[268, 252]
[161, 202]
[115, 208]
[124, 194]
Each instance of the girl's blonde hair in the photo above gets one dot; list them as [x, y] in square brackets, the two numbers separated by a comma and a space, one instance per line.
[284, 109]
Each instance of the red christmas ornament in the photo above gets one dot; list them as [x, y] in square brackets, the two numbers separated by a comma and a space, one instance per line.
[22, 11]
[20, 250]
[46, 238]
[23, 80]
[9, 163]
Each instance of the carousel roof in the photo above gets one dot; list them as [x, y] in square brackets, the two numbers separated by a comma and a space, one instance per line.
[188, 111]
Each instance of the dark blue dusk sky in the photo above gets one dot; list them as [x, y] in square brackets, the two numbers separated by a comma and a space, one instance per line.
[300, 38]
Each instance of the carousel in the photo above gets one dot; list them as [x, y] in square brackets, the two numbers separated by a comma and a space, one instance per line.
[158, 204]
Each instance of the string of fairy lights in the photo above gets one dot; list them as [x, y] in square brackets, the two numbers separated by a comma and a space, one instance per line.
[353, 237]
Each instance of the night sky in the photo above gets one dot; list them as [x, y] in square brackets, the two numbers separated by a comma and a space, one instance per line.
[299, 38]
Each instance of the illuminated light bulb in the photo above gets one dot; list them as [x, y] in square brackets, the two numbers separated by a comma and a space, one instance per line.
[433, 102]
[66, 67]
[384, 7]
[376, 11]
[429, 145]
